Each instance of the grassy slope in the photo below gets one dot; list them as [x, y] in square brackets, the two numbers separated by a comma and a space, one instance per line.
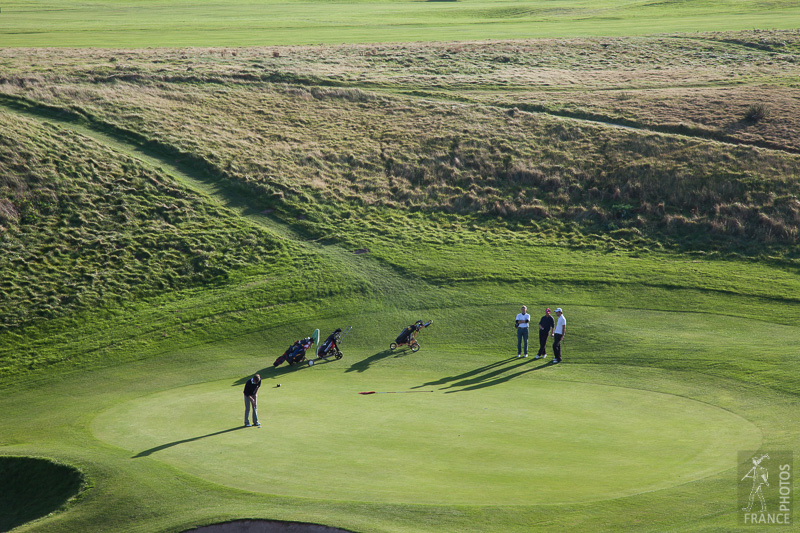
[157, 23]
[90, 230]
[86, 229]
[398, 152]
[698, 311]
[40, 488]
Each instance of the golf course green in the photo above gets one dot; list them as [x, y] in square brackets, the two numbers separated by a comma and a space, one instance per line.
[488, 447]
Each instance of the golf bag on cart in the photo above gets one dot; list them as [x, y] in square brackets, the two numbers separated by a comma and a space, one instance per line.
[296, 353]
[409, 335]
[331, 344]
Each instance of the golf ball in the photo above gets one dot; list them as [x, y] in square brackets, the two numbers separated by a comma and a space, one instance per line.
[311, 363]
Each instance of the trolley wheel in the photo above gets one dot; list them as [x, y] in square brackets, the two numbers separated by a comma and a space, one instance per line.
[338, 355]
[393, 346]
[415, 347]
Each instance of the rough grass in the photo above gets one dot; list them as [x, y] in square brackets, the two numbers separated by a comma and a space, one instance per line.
[330, 118]
[85, 228]
[322, 136]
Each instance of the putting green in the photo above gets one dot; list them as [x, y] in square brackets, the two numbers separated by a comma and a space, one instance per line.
[529, 441]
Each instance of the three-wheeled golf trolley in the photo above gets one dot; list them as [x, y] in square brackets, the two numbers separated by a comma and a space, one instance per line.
[409, 336]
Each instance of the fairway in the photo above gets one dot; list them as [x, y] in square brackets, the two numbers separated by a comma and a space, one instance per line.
[533, 440]
[122, 23]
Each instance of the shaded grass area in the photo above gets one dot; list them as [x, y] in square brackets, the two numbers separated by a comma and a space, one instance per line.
[33, 488]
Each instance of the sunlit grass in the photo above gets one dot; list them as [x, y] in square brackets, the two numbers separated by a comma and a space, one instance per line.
[122, 23]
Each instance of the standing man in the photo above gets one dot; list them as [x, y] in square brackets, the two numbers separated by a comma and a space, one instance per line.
[546, 325]
[523, 320]
[250, 396]
[558, 335]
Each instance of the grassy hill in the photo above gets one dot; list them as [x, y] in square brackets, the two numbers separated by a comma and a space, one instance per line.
[171, 219]
[366, 125]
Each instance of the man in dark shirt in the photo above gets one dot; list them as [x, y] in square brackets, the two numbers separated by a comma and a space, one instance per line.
[250, 397]
[546, 324]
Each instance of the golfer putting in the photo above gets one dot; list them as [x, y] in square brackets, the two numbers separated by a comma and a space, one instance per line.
[250, 400]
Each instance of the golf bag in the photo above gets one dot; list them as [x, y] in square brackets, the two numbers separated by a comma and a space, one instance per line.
[296, 353]
[409, 335]
[331, 344]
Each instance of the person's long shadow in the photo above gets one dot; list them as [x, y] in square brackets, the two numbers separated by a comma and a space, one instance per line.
[465, 375]
[151, 451]
[493, 378]
[485, 376]
[364, 364]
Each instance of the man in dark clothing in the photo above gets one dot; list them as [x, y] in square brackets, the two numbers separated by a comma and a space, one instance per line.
[250, 396]
[546, 324]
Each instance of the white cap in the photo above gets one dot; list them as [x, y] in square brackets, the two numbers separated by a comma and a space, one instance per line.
[558, 310]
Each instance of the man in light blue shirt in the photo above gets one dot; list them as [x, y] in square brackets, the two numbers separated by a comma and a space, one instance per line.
[522, 322]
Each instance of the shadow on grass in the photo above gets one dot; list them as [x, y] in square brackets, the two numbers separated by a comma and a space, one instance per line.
[273, 372]
[33, 487]
[364, 364]
[486, 376]
[151, 451]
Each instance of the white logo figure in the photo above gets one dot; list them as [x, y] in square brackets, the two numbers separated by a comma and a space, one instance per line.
[760, 476]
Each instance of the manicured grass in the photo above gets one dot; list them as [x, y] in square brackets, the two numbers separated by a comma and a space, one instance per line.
[153, 435]
[122, 23]
[429, 446]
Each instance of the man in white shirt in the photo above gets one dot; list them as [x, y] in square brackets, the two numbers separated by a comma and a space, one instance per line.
[558, 335]
[522, 321]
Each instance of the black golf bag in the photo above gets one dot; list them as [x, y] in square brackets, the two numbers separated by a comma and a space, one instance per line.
[409, 335]
[405, 335]
[296, 353]
[331, 345]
